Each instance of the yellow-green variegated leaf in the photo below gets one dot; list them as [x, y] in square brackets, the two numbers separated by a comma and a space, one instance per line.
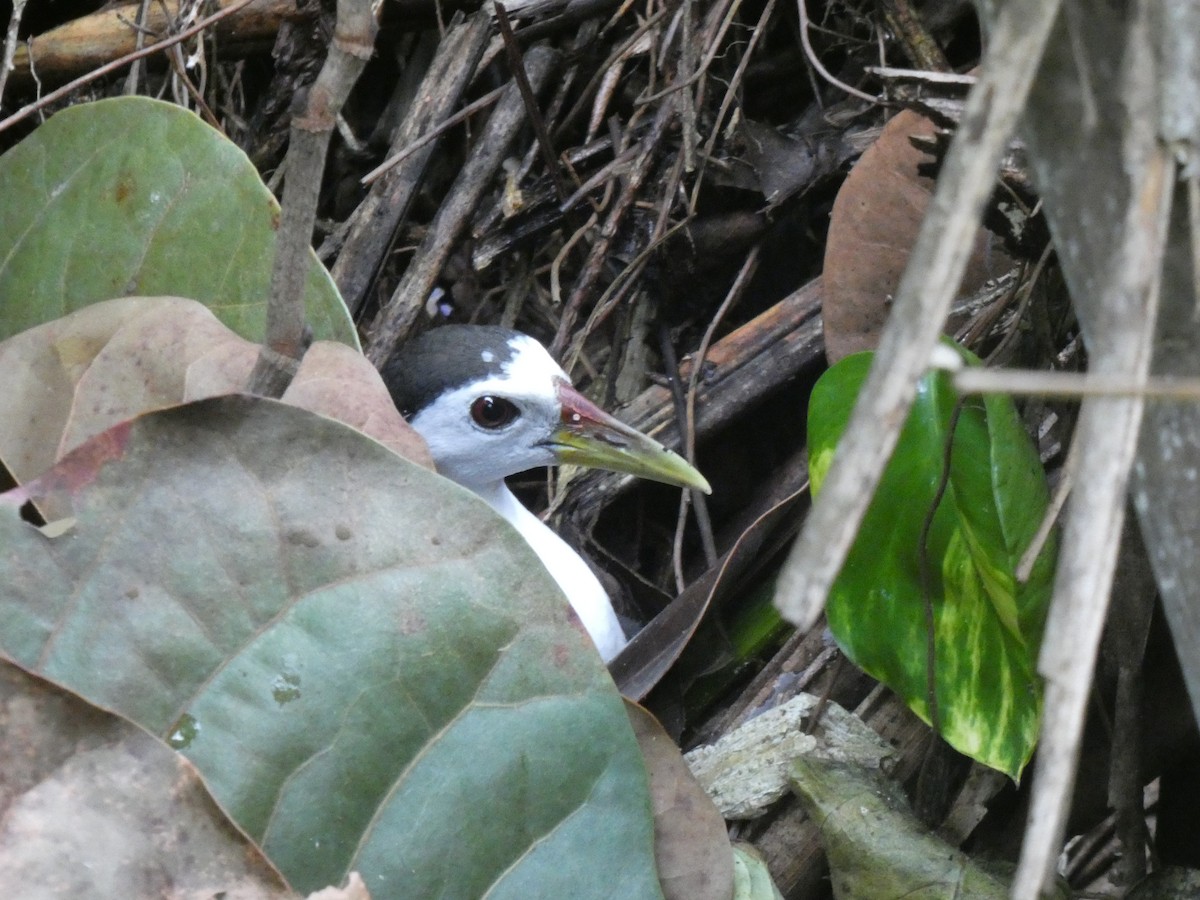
[987, 627]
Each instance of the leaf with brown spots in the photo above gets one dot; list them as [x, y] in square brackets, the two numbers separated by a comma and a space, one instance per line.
[367, 666]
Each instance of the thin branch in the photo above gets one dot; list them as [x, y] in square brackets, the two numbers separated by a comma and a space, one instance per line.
[284, 344]
[1073, 385]
[10, 43]
[42, 102]
[815, 61]
[433, 134]
[516, 66]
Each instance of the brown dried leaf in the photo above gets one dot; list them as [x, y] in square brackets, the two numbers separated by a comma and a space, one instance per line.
[337, 382]
[691, 847]
[872, 229]
[75, 377]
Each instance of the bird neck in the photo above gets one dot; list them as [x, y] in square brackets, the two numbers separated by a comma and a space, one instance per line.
[578, 582]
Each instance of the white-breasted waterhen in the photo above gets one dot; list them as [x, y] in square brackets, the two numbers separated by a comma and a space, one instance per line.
[491, 402]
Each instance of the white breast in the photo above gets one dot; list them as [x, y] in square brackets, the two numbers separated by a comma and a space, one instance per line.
[583, 589]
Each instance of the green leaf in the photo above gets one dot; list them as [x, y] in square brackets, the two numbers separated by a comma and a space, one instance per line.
[135, 196]
[987, 626]
[367, 666]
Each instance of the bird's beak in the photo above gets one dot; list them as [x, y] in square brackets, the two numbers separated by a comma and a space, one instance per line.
[591, 437]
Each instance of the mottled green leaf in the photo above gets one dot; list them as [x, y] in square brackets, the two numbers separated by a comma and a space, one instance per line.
[367, 666]
[987, 626]
[877, 848]
[135, 196]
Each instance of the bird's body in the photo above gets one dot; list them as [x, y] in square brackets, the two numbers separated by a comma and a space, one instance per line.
[491, 402]
[587, 596]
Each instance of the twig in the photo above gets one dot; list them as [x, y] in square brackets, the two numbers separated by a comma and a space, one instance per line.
[433, 134]
[1074, 385]
[560, 257]
[922, 302]
[374, 226]
[814, 60]
[42, 102]
[608, 231]
[713, 49]
[732, 296]
[731, 92]
[620, 286]
[922, 48]
[10, 43]
[1053, 511]
[397, 318]
[284, 344]
[671, 365]
[594, 82]
[921, 75]
[517, 67]
[135, 70]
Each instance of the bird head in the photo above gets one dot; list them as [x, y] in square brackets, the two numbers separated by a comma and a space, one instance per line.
[491, 402]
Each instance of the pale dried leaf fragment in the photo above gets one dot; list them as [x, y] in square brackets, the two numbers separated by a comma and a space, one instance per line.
[91, 806]
[354, 890]
[747, 770]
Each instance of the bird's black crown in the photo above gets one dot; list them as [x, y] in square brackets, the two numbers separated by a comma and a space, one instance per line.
[443, 359]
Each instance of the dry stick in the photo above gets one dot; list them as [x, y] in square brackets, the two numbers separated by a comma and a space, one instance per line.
[352, 45]
[688, 426]
[615, 293]
[730, 95]
[613, 58]
[1107, 433]
[1074, 385]
[922, 48]
[687, 99]
[686, 414]
[135, 70]
[921, 75]
[923, 299]
[374, 226]
[1193, 196]
[10, 43]
[671, 365]
[599, 252]
[175, 58]
[806, 41]
[1038, 542]
[432, 135]
[517, 67]
[42, 102]
[399, 315]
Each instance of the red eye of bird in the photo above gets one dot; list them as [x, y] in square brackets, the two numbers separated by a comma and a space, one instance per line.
[493, 412]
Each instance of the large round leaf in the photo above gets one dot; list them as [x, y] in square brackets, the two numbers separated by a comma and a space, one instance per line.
[367, 666]
[987, 626]
[135, 196]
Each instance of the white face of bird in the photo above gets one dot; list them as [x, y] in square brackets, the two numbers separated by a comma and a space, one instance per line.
[497, 426]
[526, 414]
